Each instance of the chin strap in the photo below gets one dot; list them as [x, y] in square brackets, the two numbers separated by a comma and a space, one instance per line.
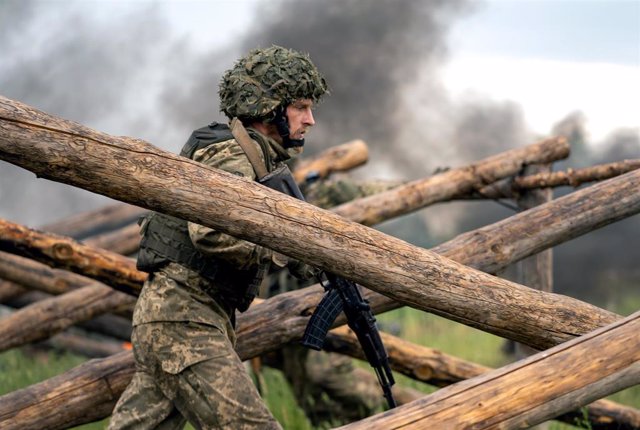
[282, 124]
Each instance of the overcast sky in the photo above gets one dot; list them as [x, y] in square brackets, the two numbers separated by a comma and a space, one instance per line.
[553, 57]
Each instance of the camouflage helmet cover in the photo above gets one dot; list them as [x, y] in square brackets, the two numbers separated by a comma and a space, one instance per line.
[266, 78]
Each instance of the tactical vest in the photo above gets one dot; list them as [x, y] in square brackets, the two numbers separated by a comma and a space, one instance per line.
[166, 238]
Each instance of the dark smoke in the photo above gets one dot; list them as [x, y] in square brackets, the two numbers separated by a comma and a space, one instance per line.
[87, 70]
[128, 74]
[369, 51]
[603, 264]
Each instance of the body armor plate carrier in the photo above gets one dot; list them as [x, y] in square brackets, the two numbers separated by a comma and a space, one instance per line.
[166, 239]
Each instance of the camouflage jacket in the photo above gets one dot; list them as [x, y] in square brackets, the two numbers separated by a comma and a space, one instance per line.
[176, 293]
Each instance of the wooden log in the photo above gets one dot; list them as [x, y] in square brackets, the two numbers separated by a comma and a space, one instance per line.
[479, 300]
[105, 380]
[45, 318]
[575, 177]
[137, 172]
[37, 276]
[418, 362]
[85, 346]
[335, 159]
[62, 252]
[530, 391]
[125, 240]
[10, 290]
[535, 271]
[92, 223]
[513, 187]
[106, 324]
[451, 183]
[437, 368]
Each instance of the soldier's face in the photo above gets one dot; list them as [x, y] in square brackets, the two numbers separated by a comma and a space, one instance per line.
[300, 116]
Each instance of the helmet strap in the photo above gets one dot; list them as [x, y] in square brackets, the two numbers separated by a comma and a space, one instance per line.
[281, 122]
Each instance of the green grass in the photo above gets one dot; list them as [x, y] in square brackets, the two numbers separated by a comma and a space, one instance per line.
[20, 368]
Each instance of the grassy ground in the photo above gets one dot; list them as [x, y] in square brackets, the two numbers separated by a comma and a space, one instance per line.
[21, 368]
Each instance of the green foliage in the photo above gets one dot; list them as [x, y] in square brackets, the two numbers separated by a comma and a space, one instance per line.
[20, 368]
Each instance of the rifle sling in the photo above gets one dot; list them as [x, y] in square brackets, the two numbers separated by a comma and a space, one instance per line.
[248, 145]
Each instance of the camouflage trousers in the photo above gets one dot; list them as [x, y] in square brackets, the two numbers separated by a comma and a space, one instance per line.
[188, 371]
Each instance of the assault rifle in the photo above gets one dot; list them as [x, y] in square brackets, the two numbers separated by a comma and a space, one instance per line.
[342, 294]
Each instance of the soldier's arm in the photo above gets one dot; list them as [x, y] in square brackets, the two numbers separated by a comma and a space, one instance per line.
[227, 156]
[340, 189]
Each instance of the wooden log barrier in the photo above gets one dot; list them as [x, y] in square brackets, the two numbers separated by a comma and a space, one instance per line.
[47, 317]
[95, 222]
[492, 247]
[233, 189]
[513, 187]
[437, 368]
[93, 388]
[529, 391]
[136, 172]
[450, 184]
[51, 317]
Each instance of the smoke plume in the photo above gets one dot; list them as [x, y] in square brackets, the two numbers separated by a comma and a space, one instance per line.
[129, 74]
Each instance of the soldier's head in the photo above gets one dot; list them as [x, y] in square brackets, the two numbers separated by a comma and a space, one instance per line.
[274, 90]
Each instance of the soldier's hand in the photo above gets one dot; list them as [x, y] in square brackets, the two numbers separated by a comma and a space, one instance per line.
[300, 270]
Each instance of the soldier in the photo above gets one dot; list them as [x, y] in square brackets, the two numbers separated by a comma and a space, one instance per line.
[183, 336]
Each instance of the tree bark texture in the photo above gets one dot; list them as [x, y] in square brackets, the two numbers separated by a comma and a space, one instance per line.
[37, 276]
[47, 317]
[93, 223]
[513, 187]
[532, 390]
[455, 182]
[125, 240]
[62, 252]
[575, 177]
[437, 368]
[535, 271]
[10, 290]
[135, 171]
[106, 324]
[338, 158]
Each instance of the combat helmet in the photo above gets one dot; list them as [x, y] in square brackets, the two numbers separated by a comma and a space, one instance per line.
[263, 83]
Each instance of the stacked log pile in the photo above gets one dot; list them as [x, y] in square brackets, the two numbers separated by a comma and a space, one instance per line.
[452, 280]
